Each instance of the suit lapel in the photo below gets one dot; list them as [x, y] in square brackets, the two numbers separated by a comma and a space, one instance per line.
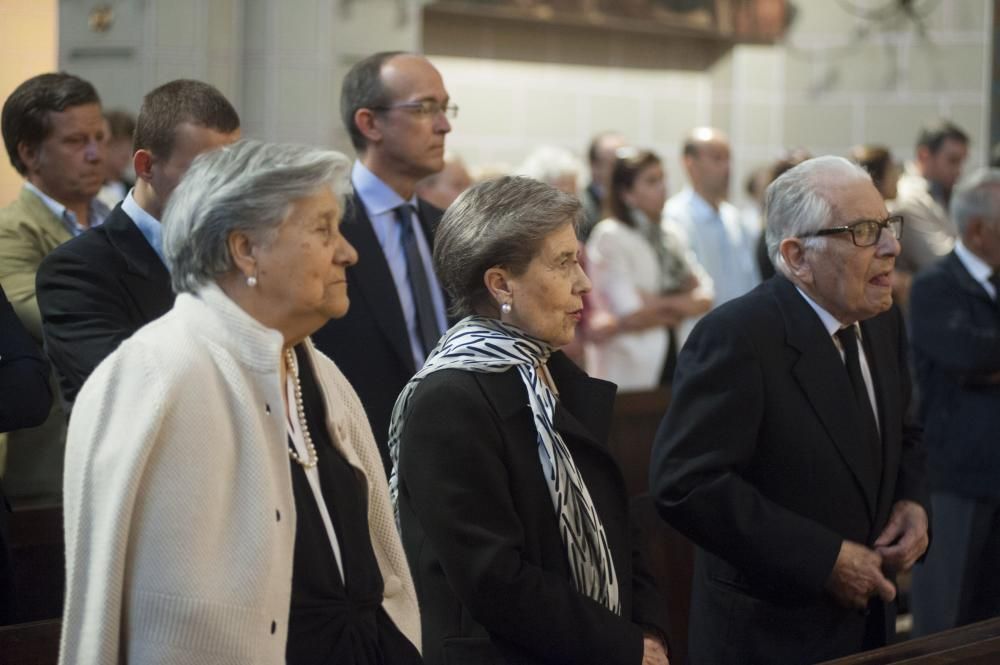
[371, 280]
[966, 281]
[820, 373]
[146, 278]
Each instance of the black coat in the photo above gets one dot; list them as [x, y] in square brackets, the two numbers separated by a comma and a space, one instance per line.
[370, 344]
[956, 348]
[94, 292]
[481, 534]
[762, 463]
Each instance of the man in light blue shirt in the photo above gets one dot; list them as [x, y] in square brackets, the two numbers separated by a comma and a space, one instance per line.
[396, 109]
[712, 226]
[96, 290]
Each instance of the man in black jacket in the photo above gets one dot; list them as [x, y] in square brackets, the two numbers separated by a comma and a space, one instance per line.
[955, 319]
[97, 289]
[25, 400]
[787, 455]
[396, 110]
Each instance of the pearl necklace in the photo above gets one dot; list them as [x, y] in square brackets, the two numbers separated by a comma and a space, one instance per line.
[313, 457]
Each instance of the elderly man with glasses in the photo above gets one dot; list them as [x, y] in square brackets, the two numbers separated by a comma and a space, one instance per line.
[396, 111]
[786, 454]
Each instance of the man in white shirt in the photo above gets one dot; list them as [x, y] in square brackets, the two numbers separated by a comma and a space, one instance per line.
[396, 110]
[922, 198]
[713, 227]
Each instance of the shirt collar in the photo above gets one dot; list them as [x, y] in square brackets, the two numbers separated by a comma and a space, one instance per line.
[979, 269]
[378, 197]
[148, 225]
[98, 211]
[828, 320]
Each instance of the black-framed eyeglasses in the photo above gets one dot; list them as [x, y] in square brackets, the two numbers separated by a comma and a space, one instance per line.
[425, 108]
[865, 232]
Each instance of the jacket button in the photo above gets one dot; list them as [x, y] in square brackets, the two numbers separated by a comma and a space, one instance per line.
[274, 627]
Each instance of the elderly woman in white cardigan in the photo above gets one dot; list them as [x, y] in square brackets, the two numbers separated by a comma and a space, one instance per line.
[224, 498]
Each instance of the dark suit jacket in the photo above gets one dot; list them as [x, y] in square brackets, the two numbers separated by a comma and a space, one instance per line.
[956, 347]
[94, 291]
[370, 344]
[761, 461]
[481, 534]
[25, 397]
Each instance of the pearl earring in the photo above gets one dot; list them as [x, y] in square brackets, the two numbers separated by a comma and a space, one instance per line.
[505, 308]
[252, 281]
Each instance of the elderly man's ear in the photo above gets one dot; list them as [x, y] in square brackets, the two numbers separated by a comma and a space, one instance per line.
[793, 251]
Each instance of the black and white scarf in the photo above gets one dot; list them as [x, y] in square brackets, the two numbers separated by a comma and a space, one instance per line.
[480, 344]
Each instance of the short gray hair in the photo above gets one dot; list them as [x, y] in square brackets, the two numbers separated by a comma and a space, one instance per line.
[549, 163]
[499, 222]
[248, 186]
[798, 201]
[977, 196]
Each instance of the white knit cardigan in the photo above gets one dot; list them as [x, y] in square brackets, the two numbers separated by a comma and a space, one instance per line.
[179, 512]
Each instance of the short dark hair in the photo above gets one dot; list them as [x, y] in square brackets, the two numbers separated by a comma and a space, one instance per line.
[363, 88]
[25, 115]
[629, 163]
[934, 135]
[121, 123]
[177, 102]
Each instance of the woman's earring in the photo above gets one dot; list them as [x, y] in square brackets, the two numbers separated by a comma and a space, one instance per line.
[252, 281]
[505, 308]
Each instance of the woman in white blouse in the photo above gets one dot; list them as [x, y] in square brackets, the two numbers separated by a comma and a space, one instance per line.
[645, 279]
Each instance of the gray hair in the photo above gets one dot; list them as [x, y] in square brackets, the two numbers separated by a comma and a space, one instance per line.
[248, 186]
[798, 201]
[977, 197]
[550, 163]
[499, 222]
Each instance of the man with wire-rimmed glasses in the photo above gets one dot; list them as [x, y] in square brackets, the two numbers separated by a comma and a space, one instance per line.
[787, 455]
[396, 111]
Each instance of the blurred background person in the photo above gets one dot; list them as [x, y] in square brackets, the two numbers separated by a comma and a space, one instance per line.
[442, 188]
[644, 276]
[601, 158]
[955, 325]
[513, 511]
[710, 225]
[226, 499]
[119, 175]
[923, 195]
[554, 166]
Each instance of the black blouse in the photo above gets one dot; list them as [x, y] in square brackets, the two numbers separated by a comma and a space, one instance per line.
[333, 622]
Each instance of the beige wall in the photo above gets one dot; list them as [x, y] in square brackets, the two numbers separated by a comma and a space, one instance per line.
[28, 38]
[821, 92]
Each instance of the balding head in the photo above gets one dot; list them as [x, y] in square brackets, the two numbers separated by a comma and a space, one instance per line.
[706, 159]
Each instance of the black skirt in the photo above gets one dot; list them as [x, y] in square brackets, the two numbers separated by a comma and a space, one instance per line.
[335, 621]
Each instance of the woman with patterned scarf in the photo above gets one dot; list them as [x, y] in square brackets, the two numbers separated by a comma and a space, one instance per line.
[513, 513]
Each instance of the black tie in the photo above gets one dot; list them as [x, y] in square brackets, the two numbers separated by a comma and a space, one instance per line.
[849, 342]
[994, 279]
[427, 325]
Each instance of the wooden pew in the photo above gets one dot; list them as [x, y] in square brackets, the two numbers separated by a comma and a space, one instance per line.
[670, 555]
[35, 643]
[38, 558]
[975, 644]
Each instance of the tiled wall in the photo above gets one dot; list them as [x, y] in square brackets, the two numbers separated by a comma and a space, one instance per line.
[27, 48]
[821, 92]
